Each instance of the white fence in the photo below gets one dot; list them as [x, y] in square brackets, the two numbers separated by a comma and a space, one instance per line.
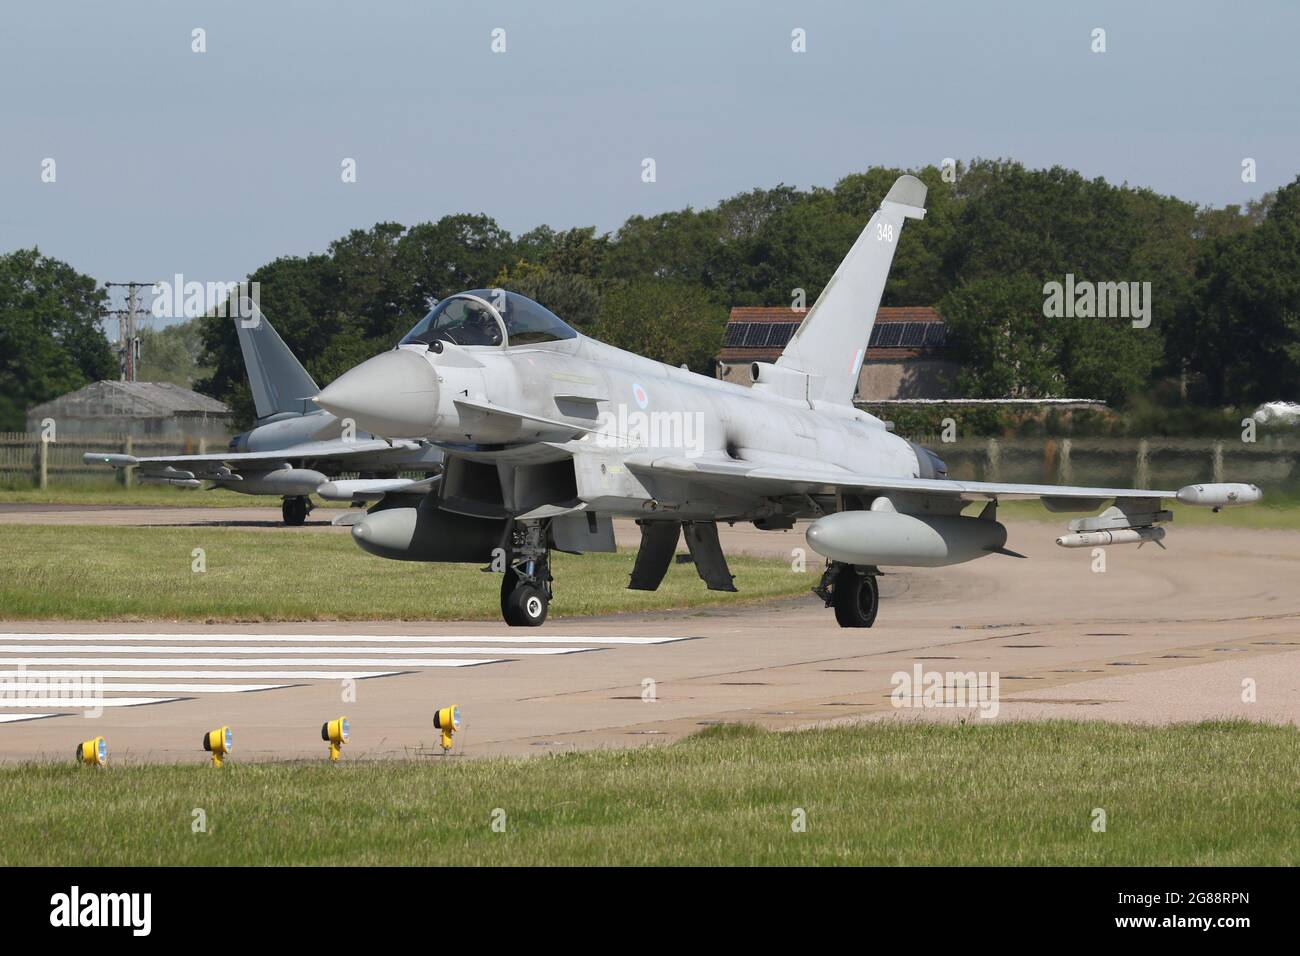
[25, 456]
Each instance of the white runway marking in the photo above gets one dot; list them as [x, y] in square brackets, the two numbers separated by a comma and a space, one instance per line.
[85, 703]
[249, 661]
[342, 638]
[198, 675]
[125, 669]
[240, 649]
[11, 687]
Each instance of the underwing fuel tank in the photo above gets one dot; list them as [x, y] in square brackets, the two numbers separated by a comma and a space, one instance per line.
[428, 533]
[903, 540]
[286, 481]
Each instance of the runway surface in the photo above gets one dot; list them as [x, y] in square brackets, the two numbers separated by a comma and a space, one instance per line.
[1209, 628]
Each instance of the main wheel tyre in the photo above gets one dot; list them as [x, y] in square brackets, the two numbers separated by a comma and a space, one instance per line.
[294, 510]
[526, 606]
[856, 598]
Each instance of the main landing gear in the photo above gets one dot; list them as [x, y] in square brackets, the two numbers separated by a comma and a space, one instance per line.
[852, 591]
[295, 510]
[526, 585]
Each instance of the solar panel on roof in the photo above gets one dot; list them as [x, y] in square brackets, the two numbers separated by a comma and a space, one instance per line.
[913, 336]
[735, 333]
[781, 334]
[887, 335]
[776, 335]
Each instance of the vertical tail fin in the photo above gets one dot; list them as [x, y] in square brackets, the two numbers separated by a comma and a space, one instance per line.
[831, 342]
[277, 379]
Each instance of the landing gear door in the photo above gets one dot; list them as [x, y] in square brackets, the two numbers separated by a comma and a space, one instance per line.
[582, 532]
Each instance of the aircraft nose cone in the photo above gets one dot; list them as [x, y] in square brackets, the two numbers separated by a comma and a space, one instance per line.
[393, 395]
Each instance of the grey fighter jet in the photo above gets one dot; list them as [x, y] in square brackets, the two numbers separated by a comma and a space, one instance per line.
[295, 446]
[550, 434]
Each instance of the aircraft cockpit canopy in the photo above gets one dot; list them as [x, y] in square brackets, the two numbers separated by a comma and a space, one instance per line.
[489, 317]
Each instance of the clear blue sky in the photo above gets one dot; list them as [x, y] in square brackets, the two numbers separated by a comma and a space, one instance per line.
[212, 164]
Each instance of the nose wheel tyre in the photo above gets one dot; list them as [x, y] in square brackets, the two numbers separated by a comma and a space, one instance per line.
[856, 598]
[525, 606]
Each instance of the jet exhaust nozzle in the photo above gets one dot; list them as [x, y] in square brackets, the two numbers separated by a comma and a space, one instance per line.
[904, 540]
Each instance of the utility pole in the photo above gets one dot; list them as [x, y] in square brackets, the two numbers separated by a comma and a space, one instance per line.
[128, 342]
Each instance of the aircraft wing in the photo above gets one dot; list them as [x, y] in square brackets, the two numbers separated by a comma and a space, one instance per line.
[818, 478]
[321, 449]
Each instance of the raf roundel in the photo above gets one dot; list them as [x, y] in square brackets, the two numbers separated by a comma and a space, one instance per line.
[642, 399]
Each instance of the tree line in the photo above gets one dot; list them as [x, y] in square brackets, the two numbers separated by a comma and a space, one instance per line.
[1224, 327]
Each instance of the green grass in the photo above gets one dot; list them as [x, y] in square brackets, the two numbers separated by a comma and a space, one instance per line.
[72, 572]
[1005, 794]
[108, 492]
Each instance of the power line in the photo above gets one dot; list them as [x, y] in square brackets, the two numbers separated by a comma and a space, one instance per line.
[128, 342]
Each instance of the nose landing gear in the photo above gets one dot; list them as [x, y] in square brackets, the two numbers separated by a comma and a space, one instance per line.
[526, 585]
[523, 603]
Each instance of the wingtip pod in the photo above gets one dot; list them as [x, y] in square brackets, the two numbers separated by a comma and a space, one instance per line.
[1220, 494]
[100, 458]
[908, 191]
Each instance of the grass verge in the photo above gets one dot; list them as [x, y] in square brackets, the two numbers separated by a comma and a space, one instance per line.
[109, 492]
[106, 573]
[1016, 793]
